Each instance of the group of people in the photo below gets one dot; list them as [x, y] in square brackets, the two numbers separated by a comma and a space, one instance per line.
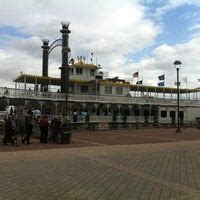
[25, 128]
[24, 125]
[58, 127]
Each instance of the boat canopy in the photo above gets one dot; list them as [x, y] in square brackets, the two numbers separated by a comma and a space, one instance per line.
[34, 79]
[156, 89]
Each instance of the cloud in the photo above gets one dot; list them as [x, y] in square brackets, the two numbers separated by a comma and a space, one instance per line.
[172, 4]
[111, 30]
[31, 46]
[162, 59]
[195, 27]
[114, 31]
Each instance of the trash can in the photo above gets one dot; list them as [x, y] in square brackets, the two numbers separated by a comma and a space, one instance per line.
[66, 137]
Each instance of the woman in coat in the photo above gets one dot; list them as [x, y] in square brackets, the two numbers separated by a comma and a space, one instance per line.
[28, 130]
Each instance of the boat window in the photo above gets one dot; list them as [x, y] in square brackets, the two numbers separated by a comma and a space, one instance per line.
[84, 88]
[92, 72]
[172, 114]
[79, 71]
[119, 90]
[163, 113]
[71, 71]
[108, 90]
[181, 114]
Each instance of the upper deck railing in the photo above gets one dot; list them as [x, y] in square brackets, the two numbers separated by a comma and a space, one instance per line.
[53, 96]
[30, 94]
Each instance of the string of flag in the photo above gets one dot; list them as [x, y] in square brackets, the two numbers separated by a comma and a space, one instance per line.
[161, 79]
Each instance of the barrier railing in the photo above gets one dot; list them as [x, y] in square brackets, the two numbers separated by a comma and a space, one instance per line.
[91, 98]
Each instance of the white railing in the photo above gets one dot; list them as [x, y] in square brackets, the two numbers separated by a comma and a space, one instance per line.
[10, 92]
[109, 119]
[129, 100]
[94, 118]
[119, 119]
[19, 93]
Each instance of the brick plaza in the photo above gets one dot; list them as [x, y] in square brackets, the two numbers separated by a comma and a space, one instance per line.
[143, 164]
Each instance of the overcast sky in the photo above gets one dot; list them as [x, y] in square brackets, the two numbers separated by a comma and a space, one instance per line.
[126, 36]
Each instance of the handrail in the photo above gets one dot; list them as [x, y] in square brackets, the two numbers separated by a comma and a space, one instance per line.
[30, 94]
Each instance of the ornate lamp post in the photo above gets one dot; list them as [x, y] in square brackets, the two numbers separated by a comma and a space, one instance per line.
[177, 64]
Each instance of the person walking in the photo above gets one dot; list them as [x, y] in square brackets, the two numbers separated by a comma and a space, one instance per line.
[21, 125]
[8, 132]
[28, 130]
[55, 128]
[13, 130]
[44, 125]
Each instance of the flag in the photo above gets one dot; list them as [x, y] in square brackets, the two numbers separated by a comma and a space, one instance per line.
[176, 83]
[139, 82]
[184, 79]
[161, 77]
[161, 84]
[135, 75]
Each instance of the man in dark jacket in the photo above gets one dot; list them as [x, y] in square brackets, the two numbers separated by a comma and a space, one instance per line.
[44, 125]
[28, 129]
[8, 132]
[55, 128]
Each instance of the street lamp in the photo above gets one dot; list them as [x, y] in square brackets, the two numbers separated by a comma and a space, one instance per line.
[177, 64]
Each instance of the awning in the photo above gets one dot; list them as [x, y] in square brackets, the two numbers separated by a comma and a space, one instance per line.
[145, 88]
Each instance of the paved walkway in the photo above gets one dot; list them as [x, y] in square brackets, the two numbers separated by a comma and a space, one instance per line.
[139, 172]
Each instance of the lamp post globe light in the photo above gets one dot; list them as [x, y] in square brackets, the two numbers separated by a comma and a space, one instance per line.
[177, 65]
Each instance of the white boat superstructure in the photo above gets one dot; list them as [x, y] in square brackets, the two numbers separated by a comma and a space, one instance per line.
[94, 99]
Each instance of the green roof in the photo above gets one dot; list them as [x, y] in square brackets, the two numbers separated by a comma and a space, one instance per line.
[34, 79]
[144, 88]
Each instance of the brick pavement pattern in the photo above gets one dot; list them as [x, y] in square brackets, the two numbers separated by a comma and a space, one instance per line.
[164, 166]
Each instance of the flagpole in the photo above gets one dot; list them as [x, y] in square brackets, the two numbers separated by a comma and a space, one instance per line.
[137, 84]
[164, 80]
[186, 82]
[186, 88]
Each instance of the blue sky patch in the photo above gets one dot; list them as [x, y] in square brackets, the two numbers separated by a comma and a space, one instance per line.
[12, 31]
[176, 24]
